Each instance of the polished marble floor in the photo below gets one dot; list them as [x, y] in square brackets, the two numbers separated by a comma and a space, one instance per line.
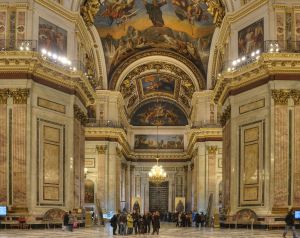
[167, 231]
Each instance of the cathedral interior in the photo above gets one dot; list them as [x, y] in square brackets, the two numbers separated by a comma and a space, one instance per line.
[94, 93]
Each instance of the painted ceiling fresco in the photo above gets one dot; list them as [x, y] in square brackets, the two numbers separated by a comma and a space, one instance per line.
[153, 83]
[170, 83]
[127, 27]
[159, 113]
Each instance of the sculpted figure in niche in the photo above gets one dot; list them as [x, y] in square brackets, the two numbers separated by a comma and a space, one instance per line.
[154, 11]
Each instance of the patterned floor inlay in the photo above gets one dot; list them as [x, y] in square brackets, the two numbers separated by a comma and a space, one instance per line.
[167, 231]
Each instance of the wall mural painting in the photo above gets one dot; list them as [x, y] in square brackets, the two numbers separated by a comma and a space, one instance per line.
[167, 142]
[89, 191]
[159, 114]
[131, 26]
[251, 38]
[154, 83]
[52, 37]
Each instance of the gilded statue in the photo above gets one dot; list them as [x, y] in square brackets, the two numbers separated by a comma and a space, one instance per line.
[89, 10]
[216, 9]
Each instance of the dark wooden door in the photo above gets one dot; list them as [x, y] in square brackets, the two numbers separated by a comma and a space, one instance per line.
[158, 197]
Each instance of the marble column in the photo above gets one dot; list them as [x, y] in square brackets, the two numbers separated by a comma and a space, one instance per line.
[127, 186]
[132, 186]
[3, 145]
[189, 188]
[281, 148]
[211, 172]
[78, 156]
[226, 167]
[296, 166]
[101, 149]
[201, 178]
[19, 146]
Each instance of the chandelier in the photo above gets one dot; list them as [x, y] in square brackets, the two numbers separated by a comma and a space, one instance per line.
[157, 174]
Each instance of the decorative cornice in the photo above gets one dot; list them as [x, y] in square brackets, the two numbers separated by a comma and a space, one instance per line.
[19, 95]
[226, 115]
[80, 115]
[268, 67]
[16, 64]
[212, 149]
[101, 148]
[281, 96]
[4, 93]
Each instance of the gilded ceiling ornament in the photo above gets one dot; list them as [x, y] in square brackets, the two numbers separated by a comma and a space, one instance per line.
[127, 87]
[281, 96]
[89, 10]
[295, 94]
[20, 95]
[217, 10]
[4, 93]
[118, 71]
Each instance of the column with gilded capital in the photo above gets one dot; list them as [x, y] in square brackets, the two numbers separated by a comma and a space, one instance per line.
[280, 147]
[3, 145]
[19, 124]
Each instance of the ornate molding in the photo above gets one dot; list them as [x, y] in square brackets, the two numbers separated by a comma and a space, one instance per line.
[80, 115]
[4, 93]
[89, 10]
[101, 149]
[226, 115]
[19, 95]
[281, 96]
[212, 149]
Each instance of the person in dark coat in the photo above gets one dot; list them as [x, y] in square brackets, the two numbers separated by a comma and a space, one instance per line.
[155, 223]
[290, 223]
[135, 217]
[148, 221]
[66, 220]
[114, 223]
[197, 219]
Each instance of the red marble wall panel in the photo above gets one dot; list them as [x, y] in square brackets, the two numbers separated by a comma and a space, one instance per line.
[226, 165]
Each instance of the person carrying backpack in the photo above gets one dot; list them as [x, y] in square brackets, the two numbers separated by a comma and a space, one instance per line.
[290, 223]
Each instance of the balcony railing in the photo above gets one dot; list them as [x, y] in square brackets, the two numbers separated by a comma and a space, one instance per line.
[269, 46]
[91, 122]
[32, 45]
[205, 124]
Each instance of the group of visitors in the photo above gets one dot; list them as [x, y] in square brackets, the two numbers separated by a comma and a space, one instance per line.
[68, 221]
[126, 223]
[184, 219]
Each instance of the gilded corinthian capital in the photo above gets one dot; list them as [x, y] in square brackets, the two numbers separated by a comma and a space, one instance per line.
[101, 148]
[295, 94]
[20, 95]
[4, 93]
[281, 96]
